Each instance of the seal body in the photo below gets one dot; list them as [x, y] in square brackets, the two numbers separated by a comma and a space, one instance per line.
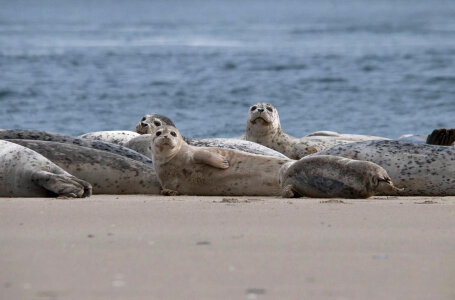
[55, 137]
[25, 173]
[264, 127]
[108, 173]
[420, 169]
[328, 176]
[212, 171]
[118, 137]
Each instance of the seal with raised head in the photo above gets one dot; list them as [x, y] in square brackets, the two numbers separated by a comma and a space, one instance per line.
[420, 169]
[329, 176]
[119, 137]
[107, 172]
[150, 122]
[190, 170]
[26, 173]
[264, 127]
[16, 134]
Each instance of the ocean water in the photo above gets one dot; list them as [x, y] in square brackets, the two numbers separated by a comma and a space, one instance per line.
[369, 67]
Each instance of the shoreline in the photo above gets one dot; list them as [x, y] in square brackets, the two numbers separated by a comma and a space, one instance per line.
[158, 247]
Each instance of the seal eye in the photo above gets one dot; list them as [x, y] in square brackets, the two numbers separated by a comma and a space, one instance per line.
[158, 133]
[173, 133]
[143, 119]
[253, 108]
[269, 109]
[157, 123]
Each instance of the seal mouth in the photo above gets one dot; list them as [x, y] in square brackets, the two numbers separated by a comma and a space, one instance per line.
[259, 118]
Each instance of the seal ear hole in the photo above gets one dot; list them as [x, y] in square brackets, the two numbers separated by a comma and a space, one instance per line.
[269, 109]
[253, 108]
[173, 133]
[157, 123]
[158, 133]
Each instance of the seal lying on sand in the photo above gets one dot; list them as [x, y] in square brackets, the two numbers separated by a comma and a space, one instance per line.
[330, 176]
[55, 137]
[421, 169]
[190, 170]
[118, 137]
[25, 173]
[108, 173]
[150, 122]
[264, 127]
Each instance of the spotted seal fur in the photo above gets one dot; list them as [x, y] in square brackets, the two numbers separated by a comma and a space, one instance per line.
[119, 137]
[264, 127]
[26, 173]
[420, 169]
[107, 172]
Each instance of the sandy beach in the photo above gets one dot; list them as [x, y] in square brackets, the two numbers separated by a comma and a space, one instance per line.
[154, 247]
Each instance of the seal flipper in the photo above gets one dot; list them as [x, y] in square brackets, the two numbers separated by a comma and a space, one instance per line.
[212, 159]
[289, 192]
[62, 185]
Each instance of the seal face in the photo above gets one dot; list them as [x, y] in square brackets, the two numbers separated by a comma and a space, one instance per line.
[420, 169]
[25, 173]
[264, 127]
[150, 122]
[211, 171]
[328, 176]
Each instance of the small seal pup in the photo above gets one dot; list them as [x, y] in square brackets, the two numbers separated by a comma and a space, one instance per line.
[119, 137]
[421, 169]
[150, 122]
[25, 173]
[13, 134]
[264, 127]
[206, 171]
[107, 172]
[327, 176]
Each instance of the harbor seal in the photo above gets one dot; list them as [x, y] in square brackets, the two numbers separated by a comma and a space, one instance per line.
[12, 134]
[119, 137]
[206, 171]
[107, 172]
[328, 176]
[25, 173]
[421, 169]
[264, 127]
[150, 122]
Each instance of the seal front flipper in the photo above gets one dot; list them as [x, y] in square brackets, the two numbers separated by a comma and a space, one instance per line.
[62, 185]
[212, 159]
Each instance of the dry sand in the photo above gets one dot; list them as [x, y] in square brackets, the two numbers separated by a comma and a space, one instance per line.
[154, 247]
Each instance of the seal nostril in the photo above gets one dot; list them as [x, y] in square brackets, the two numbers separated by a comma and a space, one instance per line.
[260, 109]
[144, 124]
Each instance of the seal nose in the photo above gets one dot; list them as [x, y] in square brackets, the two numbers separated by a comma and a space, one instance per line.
[260, 109]
[144, 124]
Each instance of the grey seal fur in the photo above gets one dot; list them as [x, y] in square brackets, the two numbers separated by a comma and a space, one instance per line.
[264, 127]
[190, 170]
[420, 169]
[150, 122]
[26, 173]
[56, 137]
[328, 176]
[119, 137]
[107, 172]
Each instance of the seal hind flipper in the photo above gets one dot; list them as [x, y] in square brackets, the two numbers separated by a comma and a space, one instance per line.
[62, 185]
[441, 137]
[212, 159]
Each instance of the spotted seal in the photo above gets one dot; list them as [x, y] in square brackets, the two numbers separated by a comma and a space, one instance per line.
[107, 172]
[12, 134]
[264, 127]
[328, 176]
[191, 170]
[26, 173]
[119, 137]
[150, 122]
[421, 169]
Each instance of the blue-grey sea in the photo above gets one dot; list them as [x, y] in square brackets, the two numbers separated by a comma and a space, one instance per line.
[369, 67]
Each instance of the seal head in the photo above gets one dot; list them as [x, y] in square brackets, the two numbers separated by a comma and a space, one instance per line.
[150, 122]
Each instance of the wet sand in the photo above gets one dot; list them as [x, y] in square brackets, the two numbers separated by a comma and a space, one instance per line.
[154, 247]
